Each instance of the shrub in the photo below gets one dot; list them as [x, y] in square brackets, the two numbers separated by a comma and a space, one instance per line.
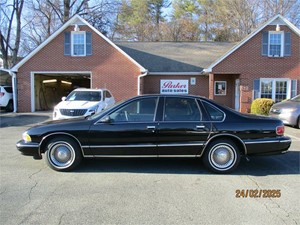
[261, 106]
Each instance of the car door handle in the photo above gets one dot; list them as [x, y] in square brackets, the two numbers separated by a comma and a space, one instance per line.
[150, 127]
[200, 127]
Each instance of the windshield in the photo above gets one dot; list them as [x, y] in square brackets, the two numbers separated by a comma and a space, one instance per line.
[296, 98]
[92, 96]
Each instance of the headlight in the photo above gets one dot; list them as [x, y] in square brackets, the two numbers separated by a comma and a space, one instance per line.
[288, 110]
[94, 109]
[26, 137]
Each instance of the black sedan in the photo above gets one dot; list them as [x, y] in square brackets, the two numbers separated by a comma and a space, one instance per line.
[158, 126]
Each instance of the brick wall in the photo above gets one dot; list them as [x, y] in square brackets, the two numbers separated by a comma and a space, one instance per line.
[250, 64]
[108, 66]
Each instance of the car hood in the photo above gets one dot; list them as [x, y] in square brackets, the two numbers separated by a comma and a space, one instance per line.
[286, 104]
[75, 104]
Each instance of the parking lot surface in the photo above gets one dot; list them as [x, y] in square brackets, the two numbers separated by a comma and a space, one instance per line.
[144, 191]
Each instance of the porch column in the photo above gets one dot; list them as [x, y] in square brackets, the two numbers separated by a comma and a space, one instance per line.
[211, 86]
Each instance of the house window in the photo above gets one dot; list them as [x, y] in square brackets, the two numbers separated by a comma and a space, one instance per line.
[275, 44]
[78, 44]
[276, 89]
[220, 88]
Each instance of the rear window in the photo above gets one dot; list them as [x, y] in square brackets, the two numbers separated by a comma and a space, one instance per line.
[213, 113]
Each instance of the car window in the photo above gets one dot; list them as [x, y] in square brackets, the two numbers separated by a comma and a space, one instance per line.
[181, 109]
[296, 98]
[108, 95]
[8, 89]
[92, 96]
[142, 110]
[214, 113]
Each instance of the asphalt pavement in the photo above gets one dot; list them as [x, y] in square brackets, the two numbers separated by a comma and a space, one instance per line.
[143, 191]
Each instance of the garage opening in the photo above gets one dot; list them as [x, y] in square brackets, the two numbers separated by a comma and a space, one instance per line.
[50, 88]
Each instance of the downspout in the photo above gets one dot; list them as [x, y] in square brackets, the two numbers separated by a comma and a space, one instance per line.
[139, 81]
[14, 86]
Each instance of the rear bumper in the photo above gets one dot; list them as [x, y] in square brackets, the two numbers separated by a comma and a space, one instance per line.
[30, 149]
[270, 146]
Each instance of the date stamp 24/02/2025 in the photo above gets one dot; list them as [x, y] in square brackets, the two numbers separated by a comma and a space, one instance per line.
[256, 193]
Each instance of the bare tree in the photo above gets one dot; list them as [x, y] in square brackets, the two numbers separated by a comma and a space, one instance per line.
[10, 32]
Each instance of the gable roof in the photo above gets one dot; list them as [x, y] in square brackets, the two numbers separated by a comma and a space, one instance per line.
[74, 20]
[278, 19]
[175, 57]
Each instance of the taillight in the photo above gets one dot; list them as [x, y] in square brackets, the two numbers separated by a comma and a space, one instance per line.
[2, 94]
[280, 130]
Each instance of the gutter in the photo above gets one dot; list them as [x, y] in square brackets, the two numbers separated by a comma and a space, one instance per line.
[14, 87]
[145, 73]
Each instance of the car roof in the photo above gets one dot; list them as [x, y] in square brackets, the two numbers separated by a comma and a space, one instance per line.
[173, 95]
[90, 89]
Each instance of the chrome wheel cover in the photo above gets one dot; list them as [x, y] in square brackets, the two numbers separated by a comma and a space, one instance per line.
[222, 157]
[61, 155]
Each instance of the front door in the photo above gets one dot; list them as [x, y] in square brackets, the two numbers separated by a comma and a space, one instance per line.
[130, 130]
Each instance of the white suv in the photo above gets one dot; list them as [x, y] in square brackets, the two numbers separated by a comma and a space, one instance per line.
[83, 102]
[6, 98]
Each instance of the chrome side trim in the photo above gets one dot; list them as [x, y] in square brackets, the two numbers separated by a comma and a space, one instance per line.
[59, 133]
[120, 146]
[180, 145]
[265, 142]
[145, 146]
[28, 145]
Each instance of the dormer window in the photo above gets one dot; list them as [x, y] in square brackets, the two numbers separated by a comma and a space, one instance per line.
[78, 43]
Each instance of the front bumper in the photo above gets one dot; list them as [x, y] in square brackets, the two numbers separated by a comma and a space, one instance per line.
[268, 146]
[28, 148]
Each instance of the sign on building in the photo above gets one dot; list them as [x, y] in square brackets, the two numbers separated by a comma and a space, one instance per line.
[174, 86]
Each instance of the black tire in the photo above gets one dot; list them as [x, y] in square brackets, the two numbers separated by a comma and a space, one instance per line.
[63, 154]
[222, 156]
[10, 106]
[298, 123]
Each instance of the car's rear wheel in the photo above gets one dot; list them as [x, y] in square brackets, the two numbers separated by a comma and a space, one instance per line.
[298, 124]
[222, 156]
[63, 154]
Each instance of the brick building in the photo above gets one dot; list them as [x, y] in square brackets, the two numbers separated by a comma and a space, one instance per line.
[265, 64]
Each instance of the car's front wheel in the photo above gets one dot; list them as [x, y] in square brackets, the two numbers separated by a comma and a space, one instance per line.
[222, 156]
[63, 154]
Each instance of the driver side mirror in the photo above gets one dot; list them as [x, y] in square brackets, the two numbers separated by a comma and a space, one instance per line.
[63, 98]
[105, 119]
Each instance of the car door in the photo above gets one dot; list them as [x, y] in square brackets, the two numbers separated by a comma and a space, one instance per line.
[128, 130]
[183, 129]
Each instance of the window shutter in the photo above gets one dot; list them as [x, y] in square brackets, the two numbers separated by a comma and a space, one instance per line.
[287, 44]
[294, 88]
[256, 84]
[88, 43]
[67, 44]
[265, 43]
